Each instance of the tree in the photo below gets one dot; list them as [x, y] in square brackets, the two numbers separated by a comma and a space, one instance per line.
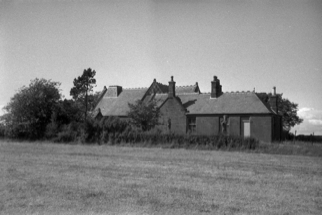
[65, 112]
[30, 109]
[144, 115]
[286, 108]
[288, 111]
[83, 86]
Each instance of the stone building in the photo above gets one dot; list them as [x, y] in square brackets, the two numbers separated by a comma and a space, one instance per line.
[186, 110]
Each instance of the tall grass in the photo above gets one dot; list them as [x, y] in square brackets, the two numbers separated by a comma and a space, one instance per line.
[291, 148]
[114, 131]
[208, 142]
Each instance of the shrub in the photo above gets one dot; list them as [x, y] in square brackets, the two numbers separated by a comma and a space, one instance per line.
[115, 131]
[69, 133]
[52, 130]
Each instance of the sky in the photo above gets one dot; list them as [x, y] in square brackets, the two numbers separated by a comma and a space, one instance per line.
[247, 44]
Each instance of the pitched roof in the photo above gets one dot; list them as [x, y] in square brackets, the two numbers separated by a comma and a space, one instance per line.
[227, 103]
[191, 98]
[187, 89]
[118, 106]
[179, 89]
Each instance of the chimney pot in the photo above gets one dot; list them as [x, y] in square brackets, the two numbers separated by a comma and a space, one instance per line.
[154, 80]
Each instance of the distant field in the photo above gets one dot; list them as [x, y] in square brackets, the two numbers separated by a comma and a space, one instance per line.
[74, 179]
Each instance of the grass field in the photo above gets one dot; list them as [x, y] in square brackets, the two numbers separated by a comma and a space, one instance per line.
[75, 179]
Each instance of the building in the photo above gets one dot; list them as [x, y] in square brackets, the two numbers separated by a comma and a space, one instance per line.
[187, 110]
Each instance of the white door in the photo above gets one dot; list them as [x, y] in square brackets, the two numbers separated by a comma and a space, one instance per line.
[246, 128]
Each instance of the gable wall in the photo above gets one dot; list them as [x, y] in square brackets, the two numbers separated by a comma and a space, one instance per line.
[173, 110]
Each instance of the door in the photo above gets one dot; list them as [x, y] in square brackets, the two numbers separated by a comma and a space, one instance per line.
[246, 128]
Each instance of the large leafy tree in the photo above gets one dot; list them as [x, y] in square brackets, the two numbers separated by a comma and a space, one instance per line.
[144, 115]
[30, 109]
[83, 87]
[286, 108]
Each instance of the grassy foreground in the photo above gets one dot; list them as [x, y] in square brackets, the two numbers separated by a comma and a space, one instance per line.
[77, 179]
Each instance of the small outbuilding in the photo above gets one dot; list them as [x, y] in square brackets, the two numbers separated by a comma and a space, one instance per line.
[186, 110]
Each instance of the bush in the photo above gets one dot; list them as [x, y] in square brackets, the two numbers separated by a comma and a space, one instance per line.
[69, 133]
[115, 131]
[52, 130]
[209, 142]
[109, 127]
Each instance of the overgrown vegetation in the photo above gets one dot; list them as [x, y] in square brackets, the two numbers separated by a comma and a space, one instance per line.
[144, 115]
[115, 131]
[39, 112]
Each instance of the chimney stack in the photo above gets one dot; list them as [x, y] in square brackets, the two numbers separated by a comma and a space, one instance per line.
[172, 88]
[273, 101]
[215, 88]
[114, 91]
[274, 91]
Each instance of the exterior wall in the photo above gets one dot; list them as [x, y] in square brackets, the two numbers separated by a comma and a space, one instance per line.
[261, 128]
[172, 109]
[277, 128]
[208, 125]
[234, 126]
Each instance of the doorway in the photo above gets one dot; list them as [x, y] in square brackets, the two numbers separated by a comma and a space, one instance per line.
[245, 128]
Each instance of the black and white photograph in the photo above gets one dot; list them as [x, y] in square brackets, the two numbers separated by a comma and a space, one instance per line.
[152, 107]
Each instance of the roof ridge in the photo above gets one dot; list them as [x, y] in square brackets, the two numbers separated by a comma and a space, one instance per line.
[136, 88]
[240, 92]
[187, 86]
[191, 93]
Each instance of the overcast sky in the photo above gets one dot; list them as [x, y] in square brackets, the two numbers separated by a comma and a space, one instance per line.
[247, 44]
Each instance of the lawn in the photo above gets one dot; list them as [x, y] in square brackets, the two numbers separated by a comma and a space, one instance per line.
[47, 178]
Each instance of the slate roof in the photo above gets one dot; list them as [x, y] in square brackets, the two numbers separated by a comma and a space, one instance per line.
[193, 102]
[180, 89]
[119, 106]
[187, 89]
[227, 103]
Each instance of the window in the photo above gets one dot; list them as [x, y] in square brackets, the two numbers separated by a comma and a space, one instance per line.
[192, 124]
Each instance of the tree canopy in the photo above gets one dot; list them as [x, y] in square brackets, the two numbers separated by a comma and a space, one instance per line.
[144, 115]
[286, 108]
[30, 109]
[83, 86]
